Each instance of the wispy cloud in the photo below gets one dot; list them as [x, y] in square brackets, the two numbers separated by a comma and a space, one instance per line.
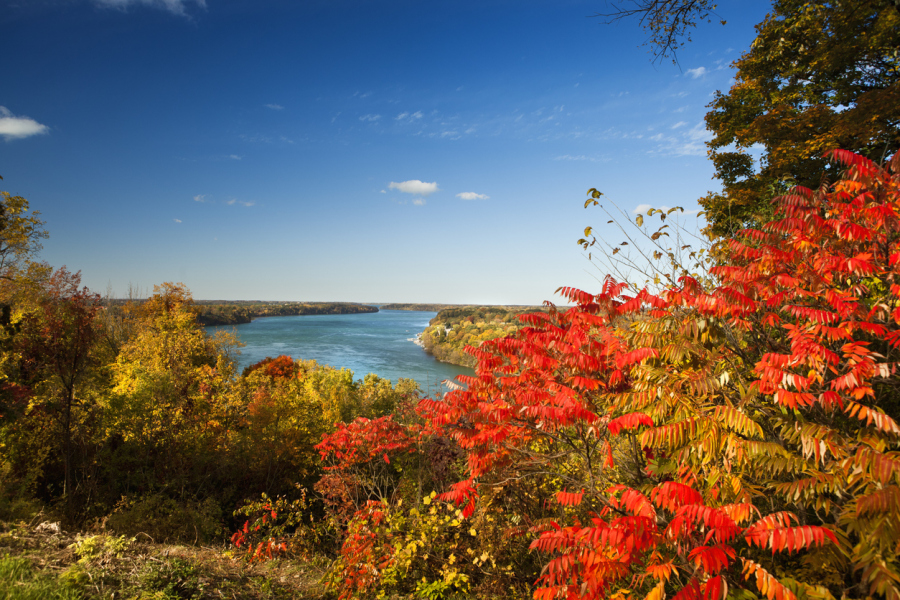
[16, 128]
[177, 220]
[415, 187]
[575, 157]
[233, 201]
[274, 106]
[679, 124]
[200, 198]
[472, 196]
[406, 116]
[235, 157]
[691, 142]
[695, 73]
[265, 139]
[177, 7]
[370, 118]
[419, 201]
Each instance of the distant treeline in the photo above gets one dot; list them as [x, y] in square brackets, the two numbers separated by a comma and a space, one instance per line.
[235, 313]
[439, 307]
[452, 329]
[413, 306]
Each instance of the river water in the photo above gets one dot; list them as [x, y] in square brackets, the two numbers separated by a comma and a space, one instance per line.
[365, 343]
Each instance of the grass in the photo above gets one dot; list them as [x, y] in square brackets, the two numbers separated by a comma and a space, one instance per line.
[41, 562]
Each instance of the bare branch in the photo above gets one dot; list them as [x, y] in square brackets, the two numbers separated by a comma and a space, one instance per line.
[668, 22]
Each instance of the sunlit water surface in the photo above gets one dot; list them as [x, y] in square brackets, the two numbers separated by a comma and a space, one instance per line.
[365, 343]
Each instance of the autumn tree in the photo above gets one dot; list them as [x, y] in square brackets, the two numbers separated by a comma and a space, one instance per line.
[55, 350]
[820, 75]
[21, 232]
[170, 384]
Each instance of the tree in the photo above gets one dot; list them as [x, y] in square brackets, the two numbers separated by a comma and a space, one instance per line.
[820, 75]
[169, 400]
[55, 348]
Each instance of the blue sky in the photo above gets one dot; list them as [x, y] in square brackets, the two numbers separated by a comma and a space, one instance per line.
[338, 150]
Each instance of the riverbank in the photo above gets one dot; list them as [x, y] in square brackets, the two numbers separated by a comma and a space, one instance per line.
[452, 329]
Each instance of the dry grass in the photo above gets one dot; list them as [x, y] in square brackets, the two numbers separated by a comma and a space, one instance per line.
[109, 566]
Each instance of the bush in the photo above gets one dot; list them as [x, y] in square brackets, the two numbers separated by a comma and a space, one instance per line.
[166, 519]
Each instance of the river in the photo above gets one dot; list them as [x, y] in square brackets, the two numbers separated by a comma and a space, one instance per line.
[365, 343]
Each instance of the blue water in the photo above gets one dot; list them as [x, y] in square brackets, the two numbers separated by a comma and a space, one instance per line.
[364, 343]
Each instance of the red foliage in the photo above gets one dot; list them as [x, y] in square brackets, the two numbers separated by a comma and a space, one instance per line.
[804, 275]
[281, 367]
[808, 281]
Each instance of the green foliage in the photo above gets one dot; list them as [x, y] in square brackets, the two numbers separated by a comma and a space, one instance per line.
[20, 581]
[176, 579]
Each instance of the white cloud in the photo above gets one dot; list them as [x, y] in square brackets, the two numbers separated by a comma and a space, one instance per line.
[419, 201]
[231, 202]
[15, 128]
[370, 118]
[415, 187]
[383, 191]
[200, 198]
[274, 106]
[678, 124]
[695, 73]
[472, 196]
[235, 157]
[177, 220]
[173, 6]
